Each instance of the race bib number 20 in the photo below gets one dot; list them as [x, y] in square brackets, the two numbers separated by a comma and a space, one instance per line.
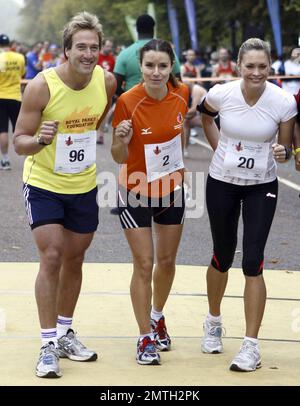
[246, 160]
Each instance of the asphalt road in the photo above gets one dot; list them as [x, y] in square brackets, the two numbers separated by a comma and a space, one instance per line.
[109, 244]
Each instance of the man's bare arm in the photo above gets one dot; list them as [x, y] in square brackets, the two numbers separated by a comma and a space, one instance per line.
[35, 99]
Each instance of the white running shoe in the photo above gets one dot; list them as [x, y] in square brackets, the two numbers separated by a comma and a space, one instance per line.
[70, 347]
[147, 352]
[248, 358]
[48, 363]
[161, 336]
[212, 339]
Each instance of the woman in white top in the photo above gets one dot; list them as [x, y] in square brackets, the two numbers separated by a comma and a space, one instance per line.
[242, 178]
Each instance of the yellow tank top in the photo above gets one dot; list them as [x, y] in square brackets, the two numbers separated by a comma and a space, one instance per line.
[78, 112]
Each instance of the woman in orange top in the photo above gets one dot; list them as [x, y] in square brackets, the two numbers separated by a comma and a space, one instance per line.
[147, 140]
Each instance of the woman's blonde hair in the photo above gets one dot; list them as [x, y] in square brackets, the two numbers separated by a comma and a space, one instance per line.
[254, 44]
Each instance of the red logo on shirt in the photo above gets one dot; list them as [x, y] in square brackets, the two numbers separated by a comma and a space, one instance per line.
[157, 151]
[239, 146]
[180, 118]
[69, 141]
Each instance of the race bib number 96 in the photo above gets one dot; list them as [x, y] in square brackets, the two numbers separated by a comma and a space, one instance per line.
[75, 152]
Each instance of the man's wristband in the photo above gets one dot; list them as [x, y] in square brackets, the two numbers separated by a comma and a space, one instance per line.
[39, 140]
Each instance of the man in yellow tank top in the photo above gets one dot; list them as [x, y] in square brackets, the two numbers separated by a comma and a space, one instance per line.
[12, 68]
[61, 110]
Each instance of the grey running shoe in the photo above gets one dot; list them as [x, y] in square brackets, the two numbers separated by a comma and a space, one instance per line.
[70, 347]
[248, 358]
[48, 363]
[5, 165]
[212, 339]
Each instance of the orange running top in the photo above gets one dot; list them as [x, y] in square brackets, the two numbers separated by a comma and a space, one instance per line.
[153, 122]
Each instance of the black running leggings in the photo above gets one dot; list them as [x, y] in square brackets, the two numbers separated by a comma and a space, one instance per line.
[224, 204]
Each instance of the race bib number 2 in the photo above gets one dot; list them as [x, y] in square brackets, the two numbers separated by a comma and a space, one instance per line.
[163, 158]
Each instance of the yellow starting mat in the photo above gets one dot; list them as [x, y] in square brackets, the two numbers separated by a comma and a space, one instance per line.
[105, 322]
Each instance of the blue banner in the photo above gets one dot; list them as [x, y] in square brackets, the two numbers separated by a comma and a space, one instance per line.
[274, 12]
[174, 26]
[191, 18]
[151, 12]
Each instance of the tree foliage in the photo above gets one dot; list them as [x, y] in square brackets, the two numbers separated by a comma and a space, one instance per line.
[219, 22]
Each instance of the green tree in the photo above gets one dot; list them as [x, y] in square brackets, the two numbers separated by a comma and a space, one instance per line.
[219, 22]
[49, 18]
[30, 29]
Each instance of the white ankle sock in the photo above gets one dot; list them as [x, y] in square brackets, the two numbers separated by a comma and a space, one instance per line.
[214, 319]
[47, 335]
[151, 335]
[155, 315]
[252, 339]
[63, 325]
